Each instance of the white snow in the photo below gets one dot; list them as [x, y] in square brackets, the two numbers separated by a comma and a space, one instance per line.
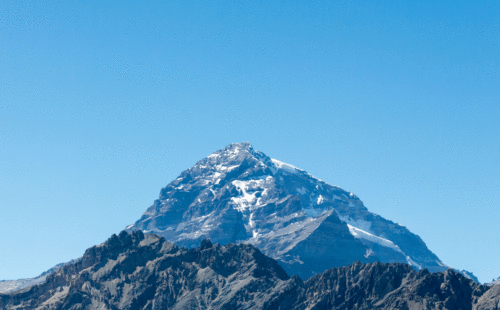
[320, 199]
[247, 200]
[250, 221]
[411, 262]
[255, 234]
[226, 168]
[213, 193]
[286, 167]
[361, 234]
[360, 224]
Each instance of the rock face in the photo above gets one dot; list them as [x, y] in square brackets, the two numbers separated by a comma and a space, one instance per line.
[494, 282]
[133, 271]
[490, 300]
[8, 286]
[240, 195]
[137, 271]
[381, 286]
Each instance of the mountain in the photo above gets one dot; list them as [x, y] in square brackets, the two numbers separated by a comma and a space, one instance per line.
[7, 286]
[494, 282]
[240, 195]
[137, 271]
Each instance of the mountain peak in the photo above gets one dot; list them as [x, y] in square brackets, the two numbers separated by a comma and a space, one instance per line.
[234, 151]
[238, 146]
[238, 194]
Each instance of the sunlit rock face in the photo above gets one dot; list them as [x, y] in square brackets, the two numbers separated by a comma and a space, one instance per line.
[240, 195]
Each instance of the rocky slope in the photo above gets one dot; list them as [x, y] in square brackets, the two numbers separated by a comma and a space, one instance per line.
[137, 271]
[240, 195]
[494, 282]
[381, 286]
[7, 286]
[490, 300]
[133, 271]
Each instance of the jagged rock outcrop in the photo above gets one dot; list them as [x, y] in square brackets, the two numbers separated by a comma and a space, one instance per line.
[133, 271]
[240, 195]
[137, 271]
[382, 286]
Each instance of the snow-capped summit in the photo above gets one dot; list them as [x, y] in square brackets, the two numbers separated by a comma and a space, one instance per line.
[238, 194]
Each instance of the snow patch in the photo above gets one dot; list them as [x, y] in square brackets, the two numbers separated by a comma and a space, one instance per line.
[213, 193]
[320, 199]
[361, 234]
[248, 189]
[226, 168]
[360, 224]
[411, 262]
[285, 167]
[255, 234]
[250, 221]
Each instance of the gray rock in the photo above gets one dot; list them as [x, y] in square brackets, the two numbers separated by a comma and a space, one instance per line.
[9, 286]
[384, 286]
[494, 282]
[133, 271]
[137, 271]
[490, 300]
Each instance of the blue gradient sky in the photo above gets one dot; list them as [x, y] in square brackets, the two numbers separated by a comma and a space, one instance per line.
[103, 104]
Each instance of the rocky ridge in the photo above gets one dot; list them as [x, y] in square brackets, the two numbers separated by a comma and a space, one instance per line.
[494, 282]
[137, 271]
[7, 286]
[240, 195]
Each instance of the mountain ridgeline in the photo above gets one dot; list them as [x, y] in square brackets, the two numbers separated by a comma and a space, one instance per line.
[7, 286]
[146, 272]
[240, 230]
[240, 195]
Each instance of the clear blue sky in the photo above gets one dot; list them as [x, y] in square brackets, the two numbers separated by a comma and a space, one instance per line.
[104, 103]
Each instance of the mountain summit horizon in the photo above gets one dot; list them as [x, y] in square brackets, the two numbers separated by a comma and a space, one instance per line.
[240, 195]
